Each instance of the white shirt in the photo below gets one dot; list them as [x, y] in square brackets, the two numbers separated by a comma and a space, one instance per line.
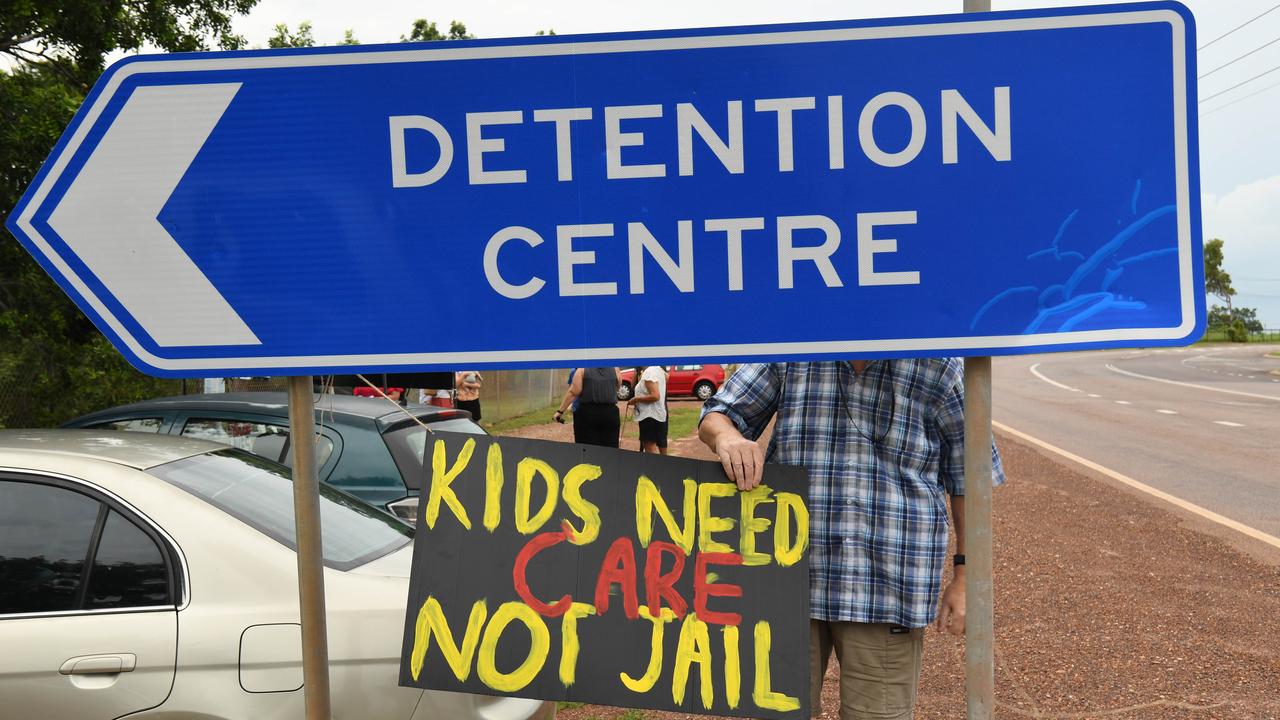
[656, 410]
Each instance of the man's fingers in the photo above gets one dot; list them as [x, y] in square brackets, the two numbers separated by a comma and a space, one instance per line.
[757, 457]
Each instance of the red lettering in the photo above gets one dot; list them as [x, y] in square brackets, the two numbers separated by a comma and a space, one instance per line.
[703, 589]
[619, 567]
[536, 545]
[659, 585]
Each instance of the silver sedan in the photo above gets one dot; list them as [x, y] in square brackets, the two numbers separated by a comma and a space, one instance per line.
[156, 577]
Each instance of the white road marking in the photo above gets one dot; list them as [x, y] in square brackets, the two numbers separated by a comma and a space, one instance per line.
[1163, 411]
[1126, 480]
[1115, 369]
[1227, 423]
[1123, 402]
[1038, 374]
[1094, 395]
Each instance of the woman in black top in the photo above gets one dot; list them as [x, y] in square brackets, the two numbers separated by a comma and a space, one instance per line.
[596, 420]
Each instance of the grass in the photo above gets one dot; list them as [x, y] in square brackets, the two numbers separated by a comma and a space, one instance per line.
[1220, 336]
[540, 416]
[628, 715]
[681, 422]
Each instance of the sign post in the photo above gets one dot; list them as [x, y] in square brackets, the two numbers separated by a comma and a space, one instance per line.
[306, 513]
[979, 639]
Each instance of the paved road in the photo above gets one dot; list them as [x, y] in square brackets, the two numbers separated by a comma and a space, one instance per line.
[1201, 423]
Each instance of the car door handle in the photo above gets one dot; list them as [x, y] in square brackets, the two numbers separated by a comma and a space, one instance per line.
[99, 664]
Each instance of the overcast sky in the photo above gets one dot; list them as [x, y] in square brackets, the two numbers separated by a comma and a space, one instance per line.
[1239, 144]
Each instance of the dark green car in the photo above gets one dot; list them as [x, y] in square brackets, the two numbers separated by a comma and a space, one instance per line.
[369, 447]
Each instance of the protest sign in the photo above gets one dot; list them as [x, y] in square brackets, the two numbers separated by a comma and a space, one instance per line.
[570, 572]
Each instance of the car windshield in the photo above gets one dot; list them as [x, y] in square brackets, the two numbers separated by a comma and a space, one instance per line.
[409, 442]
[259, 493]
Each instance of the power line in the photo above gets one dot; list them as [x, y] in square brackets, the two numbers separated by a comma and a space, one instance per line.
[1226, 64]
[1239, 99]
[1236, 28]
[1242, 82]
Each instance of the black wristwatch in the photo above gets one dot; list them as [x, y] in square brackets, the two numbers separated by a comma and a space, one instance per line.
[957, 560]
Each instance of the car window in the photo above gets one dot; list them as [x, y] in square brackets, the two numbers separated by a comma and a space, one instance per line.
[408, 444]
[262, 439]
[45, 533]
[128, 568]
[260, 494]
[324, 448]
[149, 425]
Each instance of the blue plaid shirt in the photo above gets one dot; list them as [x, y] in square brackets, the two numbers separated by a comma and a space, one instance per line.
[883, 450]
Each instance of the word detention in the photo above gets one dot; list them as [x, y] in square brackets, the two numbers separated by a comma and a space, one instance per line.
[720, 131]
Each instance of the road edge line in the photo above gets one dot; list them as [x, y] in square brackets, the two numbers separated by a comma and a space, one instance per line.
[1126, 480]
[1180, 383]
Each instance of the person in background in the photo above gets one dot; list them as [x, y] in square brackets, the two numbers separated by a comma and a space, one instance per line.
[466, 396]
[883, 441]
[650, 401]
[596, 420]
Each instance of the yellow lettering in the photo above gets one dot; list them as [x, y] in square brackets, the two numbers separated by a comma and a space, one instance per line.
[440, 480]
[649, 499]
[651, 671]
[732, 666]
[525, 471]
[708, 523]
[587, 511]
[493, 487]
[762, 695]
[694, 646]
[784, 551]
[750, 525]
[431, 620]
[569, 640]
[539, 647]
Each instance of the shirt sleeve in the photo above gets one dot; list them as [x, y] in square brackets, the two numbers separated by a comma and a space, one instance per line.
[749, 398]
[950, 421]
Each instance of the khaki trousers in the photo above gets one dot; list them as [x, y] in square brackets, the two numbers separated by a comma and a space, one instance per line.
[879, 669]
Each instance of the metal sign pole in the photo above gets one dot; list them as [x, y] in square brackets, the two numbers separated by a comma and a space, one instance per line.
[306, 511]
[979, 639]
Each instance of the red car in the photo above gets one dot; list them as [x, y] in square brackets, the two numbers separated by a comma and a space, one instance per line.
[700, 381]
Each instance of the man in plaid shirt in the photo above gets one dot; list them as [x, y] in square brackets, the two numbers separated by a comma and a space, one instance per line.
[883, 441]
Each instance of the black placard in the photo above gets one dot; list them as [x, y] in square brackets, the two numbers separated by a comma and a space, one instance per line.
[462, 574]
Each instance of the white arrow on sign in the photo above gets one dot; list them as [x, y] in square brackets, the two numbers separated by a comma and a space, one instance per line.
[108, 217]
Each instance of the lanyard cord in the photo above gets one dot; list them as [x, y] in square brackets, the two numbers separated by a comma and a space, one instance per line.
[893, 404]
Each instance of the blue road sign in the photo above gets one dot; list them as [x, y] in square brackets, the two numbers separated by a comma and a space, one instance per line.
[954, 185]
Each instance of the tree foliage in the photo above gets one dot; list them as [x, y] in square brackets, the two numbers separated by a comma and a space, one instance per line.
[1217, 281]
[283, 38]
[424, 30]
[54, 364]
[74, 37]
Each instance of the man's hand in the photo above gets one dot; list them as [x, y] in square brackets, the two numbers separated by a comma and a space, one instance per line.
[951, 611]
[742, 459]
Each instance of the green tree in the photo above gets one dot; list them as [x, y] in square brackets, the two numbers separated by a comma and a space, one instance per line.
[424, 31]
[283, 38]
[1217, 282]
[54, 364]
